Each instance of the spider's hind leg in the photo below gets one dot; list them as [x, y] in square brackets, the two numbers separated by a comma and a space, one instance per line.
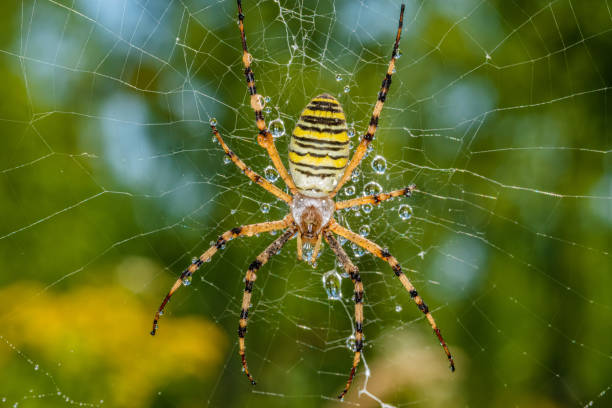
[249, 279]
[383, 254]
[248, 230]
[353, 272]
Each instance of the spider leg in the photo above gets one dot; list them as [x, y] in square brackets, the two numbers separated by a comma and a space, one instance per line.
[376, 198]
[382, 95]
[264, 138]
[250, 173]
[353, 272]
[248, 230]
[249, 278]
[383, 254]
[315, 251]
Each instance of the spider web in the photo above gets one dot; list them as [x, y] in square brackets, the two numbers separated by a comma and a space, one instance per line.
[111, 182]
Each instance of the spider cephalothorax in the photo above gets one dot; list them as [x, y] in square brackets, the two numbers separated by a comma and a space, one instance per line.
[311, 214]
[319, 165]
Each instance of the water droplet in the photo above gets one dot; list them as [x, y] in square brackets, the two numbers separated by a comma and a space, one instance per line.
[227, 160]
[347, 89]
[364, 230]
[355, 175]
[331, 284]
[271, 174]
[267, 99]
[350, 343]
[264, 208]
[351, 132]
[349, 191]
[372, 188]
[357, 250]
[213, 121]
[398, 54]
[249, 58]
[267, 110]
[36, 367]
[177, 40]
[338, 77]
[379, 164]
[187, 280]
[367, 208]
[398, 308]
[405, 211]
[277, 128]
[393, 71]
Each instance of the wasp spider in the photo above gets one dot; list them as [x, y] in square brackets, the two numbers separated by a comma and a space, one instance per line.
[319, 166]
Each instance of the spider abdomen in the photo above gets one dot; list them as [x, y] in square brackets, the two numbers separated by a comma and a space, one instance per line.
[319, 147]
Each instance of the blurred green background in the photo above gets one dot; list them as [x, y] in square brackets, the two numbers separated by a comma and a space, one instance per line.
[110, 183]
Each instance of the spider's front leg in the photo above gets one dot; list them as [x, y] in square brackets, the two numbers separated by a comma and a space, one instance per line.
[246, 230]
[383, 254]
[362, 148]
[256, 178]
[249, 278]
[353, 272]
[264, 138]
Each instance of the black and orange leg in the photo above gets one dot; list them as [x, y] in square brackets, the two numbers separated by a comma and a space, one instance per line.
[250, 173]
[353, 272]
[249, 278]
[387, 257]
[264, 138]
[362, 148]
[246, 230]
[376, 198]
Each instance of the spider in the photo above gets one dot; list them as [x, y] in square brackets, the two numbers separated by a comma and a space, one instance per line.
[319, 167]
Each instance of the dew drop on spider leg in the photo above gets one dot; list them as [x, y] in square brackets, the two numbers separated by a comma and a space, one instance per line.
[372, 188]
[405, 211]
[265, 208]
[398, 54]
[271, 174]
[227, 160]
[187, 280]
[213, 121]
[277, 128]
[331, 284]
[379, 164]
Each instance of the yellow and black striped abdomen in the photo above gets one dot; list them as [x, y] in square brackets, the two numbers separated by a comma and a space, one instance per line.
[319, 147]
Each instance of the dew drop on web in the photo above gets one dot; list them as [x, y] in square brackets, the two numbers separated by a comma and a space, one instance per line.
[379, 164]
[405, 211]
[372, 188]
[277, 128]
[364, 230]
[271, 174]
[265, 208]
[331, 284]
[349, 191]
